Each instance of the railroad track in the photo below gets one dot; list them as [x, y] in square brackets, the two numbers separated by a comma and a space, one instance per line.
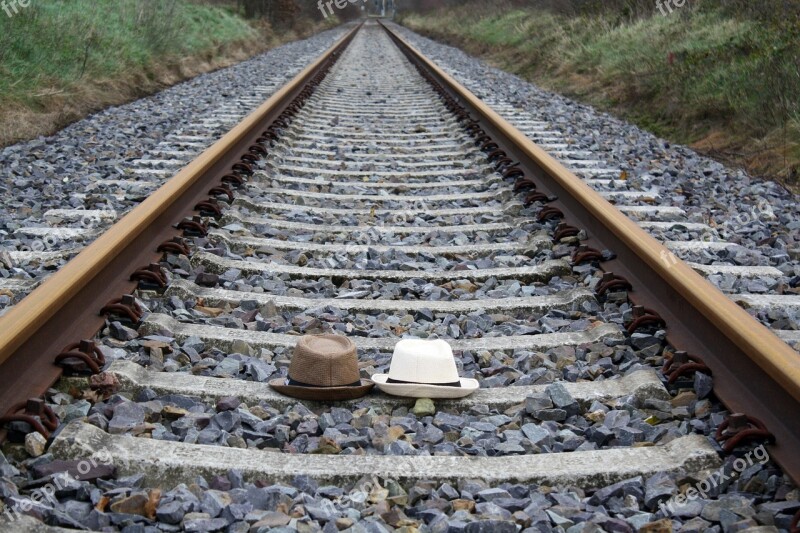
[376, 198]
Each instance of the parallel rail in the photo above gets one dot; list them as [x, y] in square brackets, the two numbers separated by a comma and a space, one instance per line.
[754, 371]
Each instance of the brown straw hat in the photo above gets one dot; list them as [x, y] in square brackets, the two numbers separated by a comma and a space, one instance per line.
[323, 368]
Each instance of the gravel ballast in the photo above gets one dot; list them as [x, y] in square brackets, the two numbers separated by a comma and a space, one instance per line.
[313, 233]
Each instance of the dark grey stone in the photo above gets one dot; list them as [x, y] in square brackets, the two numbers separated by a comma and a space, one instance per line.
[557, 415]
[489, 495]
[121, 332]
[537, 434]
[171, 512]
[127, 415]
[228, 403]
[491, 526]
[703, 385]
[633, 486]
[658, 488]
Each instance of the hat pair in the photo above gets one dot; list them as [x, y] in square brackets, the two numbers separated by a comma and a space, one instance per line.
[325, 368]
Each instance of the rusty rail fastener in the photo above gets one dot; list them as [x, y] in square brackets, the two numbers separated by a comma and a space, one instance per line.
[513, 172]
[489, 146]
[209, 208]
[89, 358]
[537, 196]
[642, 317]
[267, 137]
[565, 230]
[549, 213]
[523, 184]
[483, 139]
[612, 282]
[150, 277]
[125, 307]
[258, 150]
[504, 163]
[193, 227]
[250, 158]
[584, 254]
[35, 413]
[739, 427]
[176, 245]
[232, 179]
[682, 363]
[243, 168]
[473, 128]
[222, 190]
[495, 155]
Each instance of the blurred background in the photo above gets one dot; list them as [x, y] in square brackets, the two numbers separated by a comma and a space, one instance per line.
[720, 75]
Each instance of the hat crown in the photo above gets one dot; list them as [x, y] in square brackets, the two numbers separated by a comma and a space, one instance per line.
[324, 361]
[423, 361]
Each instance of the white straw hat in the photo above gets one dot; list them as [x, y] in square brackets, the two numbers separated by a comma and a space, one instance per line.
[424, 369]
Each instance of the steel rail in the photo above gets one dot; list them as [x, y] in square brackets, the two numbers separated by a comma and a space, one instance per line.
[754, 371]
[65, 308]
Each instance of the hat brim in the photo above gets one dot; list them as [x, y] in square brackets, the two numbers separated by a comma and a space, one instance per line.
[322, 394]
[423, 390]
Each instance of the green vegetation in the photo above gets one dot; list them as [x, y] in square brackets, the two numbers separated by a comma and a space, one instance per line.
[726, 81]
[62, 59]
[59, 43]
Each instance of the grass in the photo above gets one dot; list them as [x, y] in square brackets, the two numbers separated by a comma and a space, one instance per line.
[724, 83]
[63, 59]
